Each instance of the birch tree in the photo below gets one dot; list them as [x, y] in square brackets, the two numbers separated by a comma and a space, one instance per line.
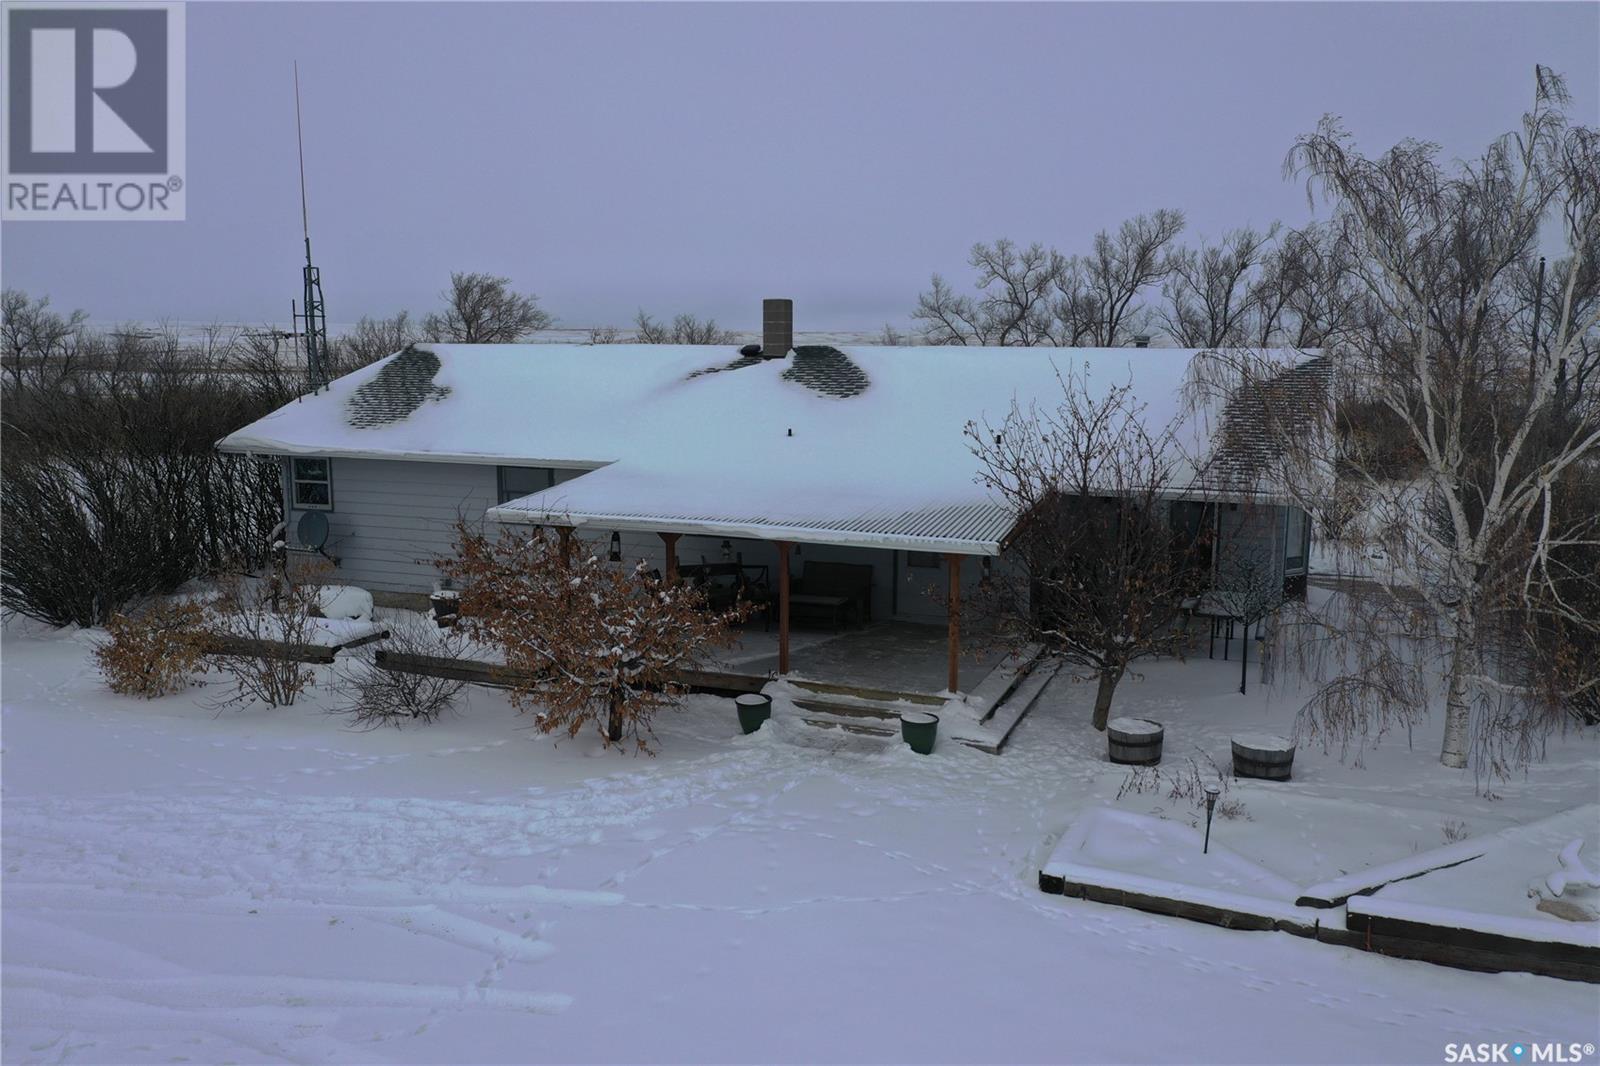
[1483, 544]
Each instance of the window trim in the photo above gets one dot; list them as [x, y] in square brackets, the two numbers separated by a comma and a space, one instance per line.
[295, 481]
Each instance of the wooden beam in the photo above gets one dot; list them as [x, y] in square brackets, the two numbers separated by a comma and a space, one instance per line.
[671, 542]
[565, 533]
[954, 613]
[783, 606]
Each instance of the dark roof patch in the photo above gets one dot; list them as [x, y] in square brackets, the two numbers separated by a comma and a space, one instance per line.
[1259, 417]
[825, 369]
[738, 364]
[403, 384]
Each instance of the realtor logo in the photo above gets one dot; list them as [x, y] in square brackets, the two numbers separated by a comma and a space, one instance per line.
[94, 115]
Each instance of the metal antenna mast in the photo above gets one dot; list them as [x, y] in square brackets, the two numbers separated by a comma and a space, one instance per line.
[312, 311]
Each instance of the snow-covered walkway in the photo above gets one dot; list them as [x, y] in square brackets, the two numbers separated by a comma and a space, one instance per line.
[267, 886]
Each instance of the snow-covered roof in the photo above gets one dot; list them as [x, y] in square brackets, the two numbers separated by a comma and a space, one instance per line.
[857, 445]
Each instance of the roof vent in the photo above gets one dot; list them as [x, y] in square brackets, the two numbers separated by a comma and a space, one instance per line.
[777, 328]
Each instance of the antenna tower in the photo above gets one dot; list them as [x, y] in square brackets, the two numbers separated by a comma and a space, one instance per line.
[311, 318]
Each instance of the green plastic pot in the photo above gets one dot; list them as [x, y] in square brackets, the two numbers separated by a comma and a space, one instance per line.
[754, 709]
[919, 729]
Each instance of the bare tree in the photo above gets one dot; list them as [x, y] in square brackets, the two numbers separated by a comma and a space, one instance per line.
[482, 309]
[35, 340]
[1483, 552]
[372, 339]
[1038, 296]
[1104, 568]
[1305, 296]
[1212, 291]
[1120, 267]
[684, 329]
[949, 317]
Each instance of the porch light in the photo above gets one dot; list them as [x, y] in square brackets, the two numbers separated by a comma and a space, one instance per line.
[727, 552]
[616, 546]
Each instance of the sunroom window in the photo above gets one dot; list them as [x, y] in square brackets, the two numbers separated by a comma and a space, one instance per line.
[519, 481]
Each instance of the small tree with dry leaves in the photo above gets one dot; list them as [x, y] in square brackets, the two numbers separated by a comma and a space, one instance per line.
[153, 651]
[590, 641]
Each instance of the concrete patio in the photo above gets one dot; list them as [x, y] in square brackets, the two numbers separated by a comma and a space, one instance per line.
[897, 656]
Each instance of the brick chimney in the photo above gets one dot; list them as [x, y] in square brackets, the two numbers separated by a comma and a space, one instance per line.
[777, 328]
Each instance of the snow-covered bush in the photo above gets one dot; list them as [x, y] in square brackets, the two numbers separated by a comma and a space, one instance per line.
[592, 642]
[153, 651]
[374, 696]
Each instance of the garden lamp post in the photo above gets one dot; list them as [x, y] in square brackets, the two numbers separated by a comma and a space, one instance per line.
[1212, 792]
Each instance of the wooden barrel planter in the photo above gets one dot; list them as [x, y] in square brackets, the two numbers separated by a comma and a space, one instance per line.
[1134, 741]
[754, 710]
[1266, 756]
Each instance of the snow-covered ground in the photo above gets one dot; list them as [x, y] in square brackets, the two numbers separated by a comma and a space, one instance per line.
[268, 885]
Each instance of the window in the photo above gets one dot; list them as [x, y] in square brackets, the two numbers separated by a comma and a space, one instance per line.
[519, 481]
[313, 484]
[1296, 541]
[923, 560]
[1194, 526]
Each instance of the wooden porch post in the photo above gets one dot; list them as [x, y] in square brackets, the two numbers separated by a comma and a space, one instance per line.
[955, 622]
[783, 606]
[671, 541]
[565, 533]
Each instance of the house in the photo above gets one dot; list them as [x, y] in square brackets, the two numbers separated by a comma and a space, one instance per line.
[787, 460]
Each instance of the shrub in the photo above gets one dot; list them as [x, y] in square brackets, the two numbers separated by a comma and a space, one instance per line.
[1187, 784]
[254, 630]
[375, 696]
[595, 644]
[112, 488]
[154, 651]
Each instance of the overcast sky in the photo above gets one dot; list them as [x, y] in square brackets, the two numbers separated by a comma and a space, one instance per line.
[686, 157]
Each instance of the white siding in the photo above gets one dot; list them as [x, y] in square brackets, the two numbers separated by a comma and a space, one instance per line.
[391, 519]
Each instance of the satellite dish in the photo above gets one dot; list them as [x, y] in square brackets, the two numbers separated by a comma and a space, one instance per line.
[312, 529]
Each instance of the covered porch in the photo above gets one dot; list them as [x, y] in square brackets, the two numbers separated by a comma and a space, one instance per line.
[882, 617]
[874, 595]
[893, 656]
